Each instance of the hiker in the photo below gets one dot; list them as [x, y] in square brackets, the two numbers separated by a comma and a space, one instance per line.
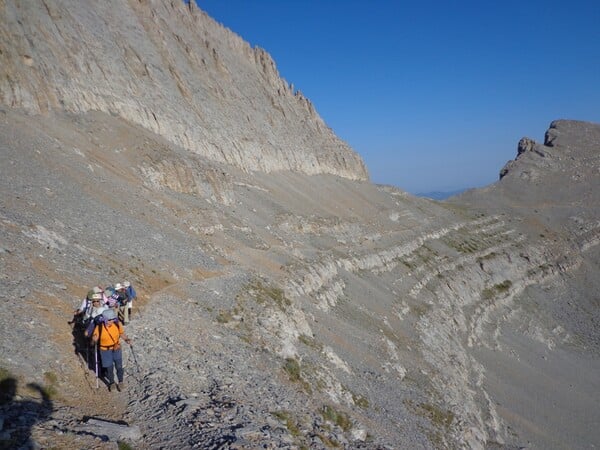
[112, 297]
[96, 310]
[108, 337]
[123, 301]
[97, 307]
[86, 305]
[131, 294]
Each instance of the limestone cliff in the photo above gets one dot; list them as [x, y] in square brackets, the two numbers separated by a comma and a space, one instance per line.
[172, 69]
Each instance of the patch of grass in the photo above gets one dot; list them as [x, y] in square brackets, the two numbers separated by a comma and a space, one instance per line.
[310, 342]
[49, 389]
[487, 294]
[420, 309]
[224, 316]
[124, 446]
[360, 401]
[339, 418]
[437, 416]
[504, 286]
[329, 443]
[441, 419]
[294, 372]
[51, 377]
[292, 368]
[499, 288]
[290, 423]
[228, 315]
[264, 293]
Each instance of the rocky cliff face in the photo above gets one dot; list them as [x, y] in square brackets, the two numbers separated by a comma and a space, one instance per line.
[171, 69]
[277, 309]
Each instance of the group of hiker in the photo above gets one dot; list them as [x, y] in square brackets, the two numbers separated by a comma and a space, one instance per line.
[98, 323]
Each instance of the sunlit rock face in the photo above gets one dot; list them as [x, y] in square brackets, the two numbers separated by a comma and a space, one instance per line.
[173, 70]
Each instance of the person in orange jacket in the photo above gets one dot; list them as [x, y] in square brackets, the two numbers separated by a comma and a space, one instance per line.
[107, 335]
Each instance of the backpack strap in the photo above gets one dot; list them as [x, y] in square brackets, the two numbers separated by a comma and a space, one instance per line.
[110, 335]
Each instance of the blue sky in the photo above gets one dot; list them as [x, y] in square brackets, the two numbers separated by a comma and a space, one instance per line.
[434, 95]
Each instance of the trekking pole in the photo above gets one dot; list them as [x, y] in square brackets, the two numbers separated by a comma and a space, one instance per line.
[96, 353]
[134, 358]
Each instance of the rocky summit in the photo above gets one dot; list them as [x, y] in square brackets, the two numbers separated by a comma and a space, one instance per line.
[284, 301]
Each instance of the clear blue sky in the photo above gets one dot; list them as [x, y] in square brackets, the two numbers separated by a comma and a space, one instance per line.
[434, 95]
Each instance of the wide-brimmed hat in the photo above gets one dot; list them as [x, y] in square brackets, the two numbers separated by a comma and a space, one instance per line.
[119, 286]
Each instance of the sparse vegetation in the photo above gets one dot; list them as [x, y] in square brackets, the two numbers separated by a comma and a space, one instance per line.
[310, 342]
[290, 423]
[464, 244]
[293, 369]
[360, 401]
[420, 309]
[50, 377]
[327, 442]
[499, 288]
[437, 416]
[224, 316]
[265, 294]
[504, 286]
[339, 418]
[49, 389]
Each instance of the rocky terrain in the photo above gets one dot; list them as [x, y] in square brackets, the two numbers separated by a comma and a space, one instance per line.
[284, 300]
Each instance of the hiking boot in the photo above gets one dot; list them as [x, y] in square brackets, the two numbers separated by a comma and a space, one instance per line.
[110, 386]
[119, 386]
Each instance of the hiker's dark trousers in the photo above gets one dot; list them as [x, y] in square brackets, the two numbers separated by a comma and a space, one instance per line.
[112, 358]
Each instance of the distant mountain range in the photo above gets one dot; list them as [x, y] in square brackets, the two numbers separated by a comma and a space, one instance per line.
[441, 195]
